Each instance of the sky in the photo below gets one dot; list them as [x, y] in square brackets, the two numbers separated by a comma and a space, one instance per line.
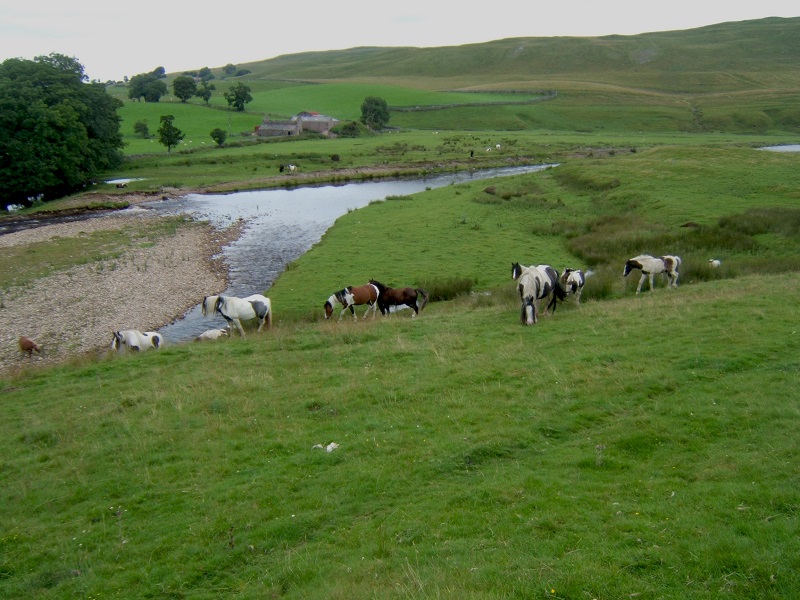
[117, 39]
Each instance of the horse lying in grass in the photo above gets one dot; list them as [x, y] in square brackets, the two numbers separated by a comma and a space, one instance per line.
[135, 340]
[653, 265]
[534, 284]
[350, 297]
[211, 334]
[415, 298]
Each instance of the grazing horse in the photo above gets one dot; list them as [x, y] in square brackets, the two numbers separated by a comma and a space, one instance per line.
[572, 281]
[535, 283]
[354, 296]
[26, 344]
[714, 263]
[408, 296]
[235, 309]
[135, 340]
[652, 265]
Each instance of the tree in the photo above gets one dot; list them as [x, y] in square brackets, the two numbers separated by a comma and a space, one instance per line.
[238, 95]
[204, 91]
[219, 136]
[57, 132]
[184, 88]
[141, 129]
[229, 69]
[160, 72]
[374, 112]
[147, 86]
[169, 135]
[205, 74]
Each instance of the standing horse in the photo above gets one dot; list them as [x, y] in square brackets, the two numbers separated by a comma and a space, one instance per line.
[408, 296]
[235, 309]
[535, 283]
[135, 340]
[571, 282]
[652, 265]
[354, 296]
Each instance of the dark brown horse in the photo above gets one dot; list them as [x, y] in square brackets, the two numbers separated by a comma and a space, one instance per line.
[353, 296]
[415, 298]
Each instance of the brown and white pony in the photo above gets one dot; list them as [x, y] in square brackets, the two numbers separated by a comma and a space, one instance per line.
[653, 265]
[415, 298]
[350, 297]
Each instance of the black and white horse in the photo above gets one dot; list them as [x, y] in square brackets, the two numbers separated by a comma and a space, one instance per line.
[536, 283]
[653, 265]
[572, 282]
[135, 340]
[235, 310]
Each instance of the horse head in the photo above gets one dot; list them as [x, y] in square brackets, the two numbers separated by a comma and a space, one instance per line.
[516, 270]
[328, 306]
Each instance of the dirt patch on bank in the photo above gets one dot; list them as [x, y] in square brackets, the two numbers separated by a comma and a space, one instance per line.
[74, 312]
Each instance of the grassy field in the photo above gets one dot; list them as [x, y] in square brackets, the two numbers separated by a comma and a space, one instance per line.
[630, 447]
[635, 445]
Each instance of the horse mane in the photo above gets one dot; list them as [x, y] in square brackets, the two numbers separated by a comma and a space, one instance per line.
[379, 285]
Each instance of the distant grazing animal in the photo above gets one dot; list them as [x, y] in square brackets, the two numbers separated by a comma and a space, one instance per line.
[135, 340]
[714, 263]
[121, 185]
[415, 298]
[211, 334]
[572, 281]
[354, 296]
[26, 344]
[652, 265]
[234, 310]
[536, 283]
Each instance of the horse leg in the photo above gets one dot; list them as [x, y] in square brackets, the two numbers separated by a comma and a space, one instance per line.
[238, 324]
[641, 281]
[651, 282]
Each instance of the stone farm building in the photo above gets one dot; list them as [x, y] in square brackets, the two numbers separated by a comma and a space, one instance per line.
[300, 123]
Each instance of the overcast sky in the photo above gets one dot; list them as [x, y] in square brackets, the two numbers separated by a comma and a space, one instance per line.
[114, 39]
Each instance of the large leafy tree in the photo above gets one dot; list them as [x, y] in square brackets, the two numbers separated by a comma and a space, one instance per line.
[238, 95]
[169, 135]
[184, 87]
[374, 112]
[147, 86]
[57, 132]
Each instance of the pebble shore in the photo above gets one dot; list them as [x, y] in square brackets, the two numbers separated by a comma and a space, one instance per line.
[73, 312]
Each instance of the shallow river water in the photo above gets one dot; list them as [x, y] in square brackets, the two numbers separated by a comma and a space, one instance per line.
[282, 224]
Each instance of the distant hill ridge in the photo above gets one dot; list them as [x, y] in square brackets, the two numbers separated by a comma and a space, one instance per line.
[763, 52]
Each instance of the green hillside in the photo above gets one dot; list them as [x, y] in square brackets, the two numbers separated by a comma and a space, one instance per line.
[728, 56]
[632, 446]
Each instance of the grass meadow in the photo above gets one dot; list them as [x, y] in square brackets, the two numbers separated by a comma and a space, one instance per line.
[634, 446]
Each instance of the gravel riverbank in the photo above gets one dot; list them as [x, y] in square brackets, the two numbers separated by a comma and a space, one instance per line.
[73, 312]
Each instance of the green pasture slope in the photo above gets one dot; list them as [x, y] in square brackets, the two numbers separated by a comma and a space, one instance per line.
[635, 445]
[632, 446]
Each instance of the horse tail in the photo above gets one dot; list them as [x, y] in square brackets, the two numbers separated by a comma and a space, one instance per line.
[424, 294]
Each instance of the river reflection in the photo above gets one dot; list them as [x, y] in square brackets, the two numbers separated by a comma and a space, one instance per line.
[283, 224]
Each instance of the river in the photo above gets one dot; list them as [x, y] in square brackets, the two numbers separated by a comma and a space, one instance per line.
[283, 224]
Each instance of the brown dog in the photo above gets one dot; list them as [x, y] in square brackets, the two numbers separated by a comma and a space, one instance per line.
[26, 344]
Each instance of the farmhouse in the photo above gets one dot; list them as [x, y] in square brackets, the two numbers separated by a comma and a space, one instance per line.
[300, 123]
